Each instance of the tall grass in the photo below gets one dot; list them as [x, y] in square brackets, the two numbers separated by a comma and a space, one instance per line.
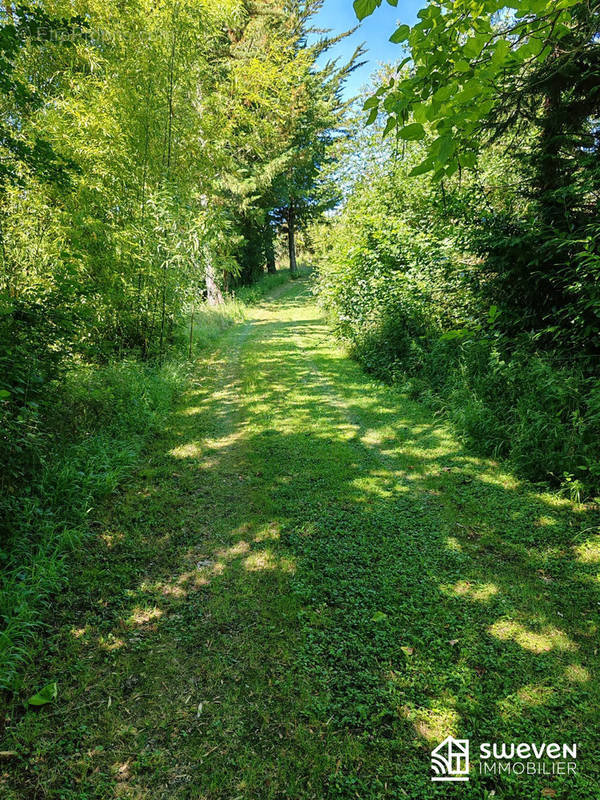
[90, 434]
[506, 399]
[511, 402]
[253, 294]
[98, 423]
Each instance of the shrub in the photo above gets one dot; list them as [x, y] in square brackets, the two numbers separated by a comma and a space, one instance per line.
[414, 309]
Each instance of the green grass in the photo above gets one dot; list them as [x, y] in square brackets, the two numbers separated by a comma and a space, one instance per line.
[101, 419]
[269, 282]
[305, 586]
[94, 428]
[211, 321]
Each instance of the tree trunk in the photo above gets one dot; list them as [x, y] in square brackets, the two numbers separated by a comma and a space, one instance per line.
[270, 249]
[163, 304]
[214, 296]
[292, 239]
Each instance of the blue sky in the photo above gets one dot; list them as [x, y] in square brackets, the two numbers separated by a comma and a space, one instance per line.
[375, 31]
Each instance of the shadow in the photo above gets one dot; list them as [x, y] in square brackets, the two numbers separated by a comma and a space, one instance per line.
[307, 586]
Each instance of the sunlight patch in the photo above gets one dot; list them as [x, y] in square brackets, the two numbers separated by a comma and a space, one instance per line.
[532, 695]
[167, 589]
[110, 642]
[194, 579]
[577, 674]
[191, 410]
[499, 479]
[371, 486]
[265, 560]
[175, 590]
[269, 532]
[373, 437]
[589, 551]
[141, 616]
[453, 544]
[260, 560]
[545, 521]
[472, 591]
[529, 696]
[535, 642]
[555, 501]
[189, 450]
[433, 724]
[110, 539]
[223, 441]
[239, 549]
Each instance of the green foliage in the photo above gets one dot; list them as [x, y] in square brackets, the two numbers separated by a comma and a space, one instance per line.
[81, 444]
[428, 293]
[25, 151]
[500, 320]
[248, 295]
[44, 696]
[365, 7]
[111, 257]
[82, 437]
[473, 63]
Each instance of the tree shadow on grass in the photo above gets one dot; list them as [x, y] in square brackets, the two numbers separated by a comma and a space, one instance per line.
[307, 586]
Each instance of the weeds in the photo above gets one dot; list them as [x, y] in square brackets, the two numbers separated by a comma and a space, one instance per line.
[306, 585]
[84, 445]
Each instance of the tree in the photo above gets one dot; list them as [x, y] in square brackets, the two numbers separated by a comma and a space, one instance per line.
[23, 28]
[527, 79]
[319, 116]
[464, 59]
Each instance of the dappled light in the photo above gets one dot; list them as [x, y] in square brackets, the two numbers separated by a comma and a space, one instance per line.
[452, 543]
[480, 592]
[299, 400]
[524, 701]
[588, 552]
[309, 562]
[537, 641]
[433, 724]
[110, 642]
[142, 616]
[188, 450]
[577, 674]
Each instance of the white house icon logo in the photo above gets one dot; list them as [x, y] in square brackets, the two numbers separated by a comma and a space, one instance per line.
[450, 760]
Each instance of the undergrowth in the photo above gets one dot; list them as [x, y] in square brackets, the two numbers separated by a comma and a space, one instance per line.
[505, 401]
[411, 307]
[72, 449]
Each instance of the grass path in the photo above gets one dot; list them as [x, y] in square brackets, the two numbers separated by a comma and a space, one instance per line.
[305, 587]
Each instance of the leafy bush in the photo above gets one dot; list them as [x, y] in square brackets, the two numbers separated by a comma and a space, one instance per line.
[415, 307]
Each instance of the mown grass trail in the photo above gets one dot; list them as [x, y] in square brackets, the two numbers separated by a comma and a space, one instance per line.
[306, 586]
